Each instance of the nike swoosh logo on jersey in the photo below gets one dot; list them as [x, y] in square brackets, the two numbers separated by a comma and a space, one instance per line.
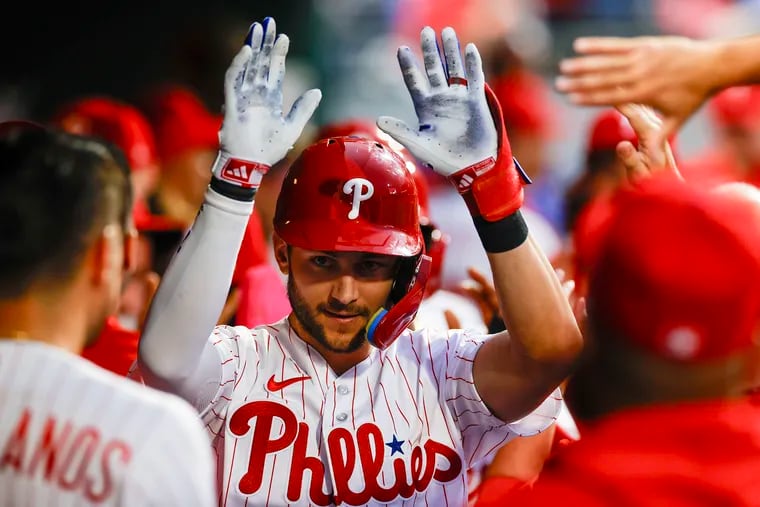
[275, 385]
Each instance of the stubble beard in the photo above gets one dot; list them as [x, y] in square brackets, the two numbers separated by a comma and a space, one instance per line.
[316, 330]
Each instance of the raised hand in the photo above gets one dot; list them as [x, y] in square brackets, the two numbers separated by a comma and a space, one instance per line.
[255, 133]
[456, 129]
[674, 75]
[653, 154]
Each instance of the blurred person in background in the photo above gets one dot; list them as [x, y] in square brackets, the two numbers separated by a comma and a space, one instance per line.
[127, 129]
[72, 433]
[586, 200]
[735, 152]
[650, 389]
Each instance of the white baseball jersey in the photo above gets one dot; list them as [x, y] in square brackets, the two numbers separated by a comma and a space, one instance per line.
[431, 315]
[399, 428]
[73, 434]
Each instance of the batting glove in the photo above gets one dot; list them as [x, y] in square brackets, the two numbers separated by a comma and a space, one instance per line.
[255, 134]
[461, 131]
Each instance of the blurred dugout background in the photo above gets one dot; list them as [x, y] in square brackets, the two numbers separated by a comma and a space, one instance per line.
[345, 47]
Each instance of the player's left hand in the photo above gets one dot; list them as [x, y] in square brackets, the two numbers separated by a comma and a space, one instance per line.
[255, 130]
[654, 154]
[456, 129]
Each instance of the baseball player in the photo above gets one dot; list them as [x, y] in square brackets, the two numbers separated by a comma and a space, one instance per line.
[72, 433]
[686, 256]
[340, 403]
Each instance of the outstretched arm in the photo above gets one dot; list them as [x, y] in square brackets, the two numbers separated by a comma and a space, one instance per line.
[675, 75]
[174, 349]
[461, 136]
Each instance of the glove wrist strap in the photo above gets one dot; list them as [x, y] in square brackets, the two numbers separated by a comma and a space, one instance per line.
[502, 235]
[238, 171]
[493, 188]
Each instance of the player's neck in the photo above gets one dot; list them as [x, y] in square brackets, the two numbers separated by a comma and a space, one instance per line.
[49, 320]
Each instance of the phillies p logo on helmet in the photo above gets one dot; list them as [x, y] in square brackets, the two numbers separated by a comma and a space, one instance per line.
[357, 187]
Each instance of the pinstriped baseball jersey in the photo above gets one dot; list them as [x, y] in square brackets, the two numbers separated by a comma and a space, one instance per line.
[73, 434]
[400, 427]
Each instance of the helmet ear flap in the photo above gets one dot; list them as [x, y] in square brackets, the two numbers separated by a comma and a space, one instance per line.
[386, 325]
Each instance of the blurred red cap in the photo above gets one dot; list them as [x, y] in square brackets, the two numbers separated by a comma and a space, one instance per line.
[181, 122]
[678, 271]
[116, 122]
[608, 128]
[146, 221]
[737, 106]
[525, 102]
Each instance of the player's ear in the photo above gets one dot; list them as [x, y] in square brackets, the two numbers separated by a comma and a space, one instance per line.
[106, 255]
[280, 253]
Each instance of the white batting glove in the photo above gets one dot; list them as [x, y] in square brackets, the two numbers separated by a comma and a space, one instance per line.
[456, 129]
[255, 134]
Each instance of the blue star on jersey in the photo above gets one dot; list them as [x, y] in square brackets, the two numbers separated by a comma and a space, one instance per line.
[395, 445]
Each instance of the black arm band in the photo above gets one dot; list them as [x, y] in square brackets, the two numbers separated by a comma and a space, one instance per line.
[232, 191]
[503, 235]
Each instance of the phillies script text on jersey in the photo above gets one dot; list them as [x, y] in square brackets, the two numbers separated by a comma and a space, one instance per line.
[402, 426]
[363, 449]
[71, 457]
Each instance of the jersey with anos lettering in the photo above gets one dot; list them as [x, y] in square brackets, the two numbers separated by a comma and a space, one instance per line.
[400, 427]
[73, 434]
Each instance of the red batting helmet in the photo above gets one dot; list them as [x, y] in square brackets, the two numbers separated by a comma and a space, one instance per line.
[435, 240]
[353, 194]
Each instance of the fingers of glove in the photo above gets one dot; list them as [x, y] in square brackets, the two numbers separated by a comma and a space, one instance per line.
[453, 55]
[398, 130]
[415, 81]
[262, 69]
[474, 67]
[277, 69]
[432, 58]
[303, 108]
[255, 35]
[233, 79]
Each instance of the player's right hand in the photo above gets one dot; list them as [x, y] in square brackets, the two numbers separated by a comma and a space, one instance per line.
[255, 133]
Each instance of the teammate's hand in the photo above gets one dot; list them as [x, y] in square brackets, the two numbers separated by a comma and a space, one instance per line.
[456, 129]
[674, 75]
[255, 134]
[653, 154]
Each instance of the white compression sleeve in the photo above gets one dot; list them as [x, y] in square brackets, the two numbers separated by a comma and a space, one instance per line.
[191, 296]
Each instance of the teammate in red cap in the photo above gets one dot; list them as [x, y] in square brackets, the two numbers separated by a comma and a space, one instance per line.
[187, 138]
[340, 402]
[674, 314]
[122, 124]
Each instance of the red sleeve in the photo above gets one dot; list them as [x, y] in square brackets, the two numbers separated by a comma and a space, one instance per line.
[116, 348]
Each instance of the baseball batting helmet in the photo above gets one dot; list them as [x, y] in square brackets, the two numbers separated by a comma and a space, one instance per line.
[353, 194]
[435, 240]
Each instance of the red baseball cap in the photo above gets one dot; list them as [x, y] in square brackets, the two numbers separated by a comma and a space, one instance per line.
[526, 103]
[608, 128]
[181, 121]
[736, 106]
[116, 122]
[147, 221]
[678, 270]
